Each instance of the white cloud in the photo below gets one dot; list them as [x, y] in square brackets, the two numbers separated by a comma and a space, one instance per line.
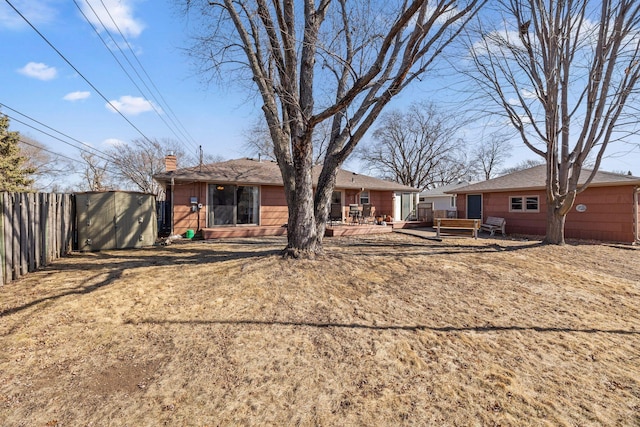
[525, 119]
[77, 96]
[39, 71]
[114, 142]
[37, 12]
[116, 15]
[527, 94]
[130, 105]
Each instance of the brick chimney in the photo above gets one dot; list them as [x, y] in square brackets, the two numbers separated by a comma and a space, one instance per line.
[170, 162]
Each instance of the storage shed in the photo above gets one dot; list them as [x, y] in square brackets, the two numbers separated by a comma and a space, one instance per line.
[115, 220]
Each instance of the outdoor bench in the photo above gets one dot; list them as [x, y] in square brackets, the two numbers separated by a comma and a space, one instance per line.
[494, 223]
[457, 224]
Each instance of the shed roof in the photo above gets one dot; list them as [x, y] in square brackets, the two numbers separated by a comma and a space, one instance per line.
[266, 172]
[534, 179]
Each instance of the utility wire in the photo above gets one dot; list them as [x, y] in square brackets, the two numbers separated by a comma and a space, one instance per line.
[101, 154]
[153, 106]
[40, 147]
[164, 102]
[77, 71]
[59, 139]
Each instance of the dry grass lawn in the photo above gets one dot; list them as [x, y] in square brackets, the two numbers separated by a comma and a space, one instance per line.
[385, 330]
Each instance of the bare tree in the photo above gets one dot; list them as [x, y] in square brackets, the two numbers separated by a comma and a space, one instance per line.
[351, 56]
[418, 147]
[258, 141]
[492, 153]
[47, 167]
[563, 73]
[95, 173]
[136, 162]
[524, 164]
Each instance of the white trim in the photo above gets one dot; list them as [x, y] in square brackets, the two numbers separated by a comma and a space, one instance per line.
[524, 204]
[360, 202]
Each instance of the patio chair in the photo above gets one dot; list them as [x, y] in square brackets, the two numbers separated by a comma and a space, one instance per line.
[335, 214]
[365, 216]
[354, 213]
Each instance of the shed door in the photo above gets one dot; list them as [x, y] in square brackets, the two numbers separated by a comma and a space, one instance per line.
[474, 206]
[96, 221]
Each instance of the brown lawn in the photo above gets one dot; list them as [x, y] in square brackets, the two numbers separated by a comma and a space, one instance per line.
[388, 330]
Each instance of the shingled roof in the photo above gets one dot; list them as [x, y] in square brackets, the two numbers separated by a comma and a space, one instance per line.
[534, 179]
[266, 172]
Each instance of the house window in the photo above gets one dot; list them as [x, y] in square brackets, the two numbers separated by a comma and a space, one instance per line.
[453, 202]
[524, 204]
[364, 197]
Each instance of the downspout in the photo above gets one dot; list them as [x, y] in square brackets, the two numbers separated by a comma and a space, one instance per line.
[636, 216]
[172, 197]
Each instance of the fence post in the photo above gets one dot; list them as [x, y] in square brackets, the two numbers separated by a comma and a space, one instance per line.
[7, 261]
[37, 234]
[15, 221]
[31, 251]
[24, 234]
[3, 267]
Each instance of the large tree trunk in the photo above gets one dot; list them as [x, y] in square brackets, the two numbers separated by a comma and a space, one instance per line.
[303, 240]
[555, 225]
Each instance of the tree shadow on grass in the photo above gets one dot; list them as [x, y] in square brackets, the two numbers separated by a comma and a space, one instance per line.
[411, 328]
[129, 259]
[79, 290]
[425, 249]
[114, 263]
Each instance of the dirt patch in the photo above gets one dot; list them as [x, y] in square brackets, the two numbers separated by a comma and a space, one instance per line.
[127, 376]
[384, 330]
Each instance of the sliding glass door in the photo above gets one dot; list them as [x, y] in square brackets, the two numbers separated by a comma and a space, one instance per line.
[221, 204]
[233, 205]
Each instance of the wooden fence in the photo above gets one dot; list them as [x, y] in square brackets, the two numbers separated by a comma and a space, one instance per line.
[35, 229]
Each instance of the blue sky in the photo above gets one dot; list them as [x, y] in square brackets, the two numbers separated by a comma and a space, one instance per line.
[38, 82]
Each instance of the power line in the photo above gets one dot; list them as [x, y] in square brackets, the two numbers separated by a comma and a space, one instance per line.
[59, 139]
[166, 104]
[101, 154]
[40, 147]
[153, 106]
[77, 71]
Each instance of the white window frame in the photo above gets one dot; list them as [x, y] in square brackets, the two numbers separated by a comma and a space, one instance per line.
[365, 197]
[524, 201]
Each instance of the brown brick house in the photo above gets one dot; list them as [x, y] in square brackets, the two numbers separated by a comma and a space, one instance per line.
[607, 210]
[249, 193]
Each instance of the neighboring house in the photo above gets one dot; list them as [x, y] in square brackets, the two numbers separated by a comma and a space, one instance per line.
[250, 193]
[441, 199]
[607, 210]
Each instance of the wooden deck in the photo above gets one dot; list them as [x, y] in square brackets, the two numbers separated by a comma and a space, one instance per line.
[331, 231]
[354, 230]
